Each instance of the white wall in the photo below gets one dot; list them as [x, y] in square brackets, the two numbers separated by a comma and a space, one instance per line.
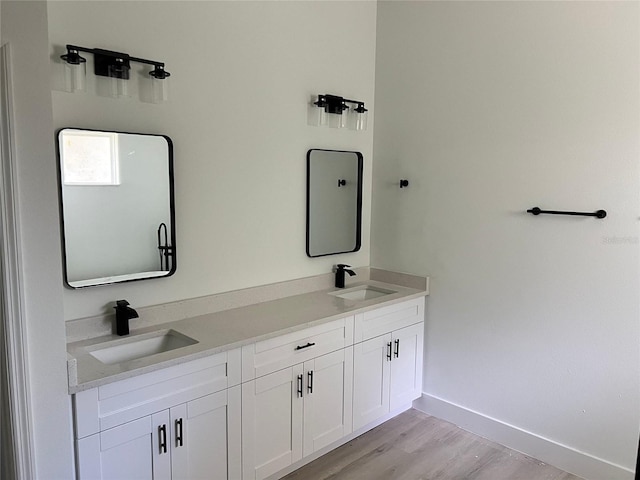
[24, 27]
[491, 108]
[242, 76]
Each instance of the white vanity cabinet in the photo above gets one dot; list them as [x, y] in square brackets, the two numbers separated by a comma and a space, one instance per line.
[252, 412]
[182, 422]
[289, 413]
[387, 360]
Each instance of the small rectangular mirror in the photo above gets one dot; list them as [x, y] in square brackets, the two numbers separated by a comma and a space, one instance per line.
[117, 206]
[334, 202]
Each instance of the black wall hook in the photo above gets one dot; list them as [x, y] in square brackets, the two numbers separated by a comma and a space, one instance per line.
[341, 182]
[404, 183]
[538, 211]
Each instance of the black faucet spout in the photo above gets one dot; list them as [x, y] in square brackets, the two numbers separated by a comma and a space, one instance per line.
[124, 313]
[341, 269]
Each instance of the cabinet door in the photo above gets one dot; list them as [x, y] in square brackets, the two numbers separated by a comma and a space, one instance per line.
[272, 409]
[205, 437]
[406, 365]
[161, 445]
[371, 368]
[120, 453]
[328, 394]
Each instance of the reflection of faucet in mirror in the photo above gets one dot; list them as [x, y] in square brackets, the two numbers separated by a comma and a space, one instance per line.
[124, 313]
[166, 251]
[341, 269]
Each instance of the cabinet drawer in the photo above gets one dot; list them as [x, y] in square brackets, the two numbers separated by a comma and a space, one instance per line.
[113, 404]
[384, 320]
[286, 350]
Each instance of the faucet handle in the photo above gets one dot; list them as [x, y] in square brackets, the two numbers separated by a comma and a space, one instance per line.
[122, 306]
[342, 265]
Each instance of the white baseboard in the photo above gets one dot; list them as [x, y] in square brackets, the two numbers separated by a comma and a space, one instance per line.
[548, 451]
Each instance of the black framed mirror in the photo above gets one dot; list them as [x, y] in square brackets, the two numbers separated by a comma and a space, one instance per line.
[334, 202]
[117, 206]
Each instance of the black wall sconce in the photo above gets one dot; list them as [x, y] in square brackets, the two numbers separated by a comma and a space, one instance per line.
[338, 112]
[114, 65]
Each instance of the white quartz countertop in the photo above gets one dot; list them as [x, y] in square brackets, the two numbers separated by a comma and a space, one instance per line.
[224, 330]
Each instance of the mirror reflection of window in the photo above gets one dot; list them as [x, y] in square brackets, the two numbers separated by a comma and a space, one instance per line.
[90, 158]
[111, 231]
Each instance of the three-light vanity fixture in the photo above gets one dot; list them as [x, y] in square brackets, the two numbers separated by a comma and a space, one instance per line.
[115, 66]
[338, 112]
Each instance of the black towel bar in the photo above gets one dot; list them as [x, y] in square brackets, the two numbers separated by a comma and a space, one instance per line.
[538, 211]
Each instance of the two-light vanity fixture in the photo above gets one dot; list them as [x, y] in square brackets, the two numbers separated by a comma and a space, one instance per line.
[338, 112]
[115, 66]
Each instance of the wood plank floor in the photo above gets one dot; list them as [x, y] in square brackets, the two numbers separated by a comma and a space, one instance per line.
[416, 446]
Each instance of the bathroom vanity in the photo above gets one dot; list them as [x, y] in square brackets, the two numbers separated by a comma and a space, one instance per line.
[258, 391]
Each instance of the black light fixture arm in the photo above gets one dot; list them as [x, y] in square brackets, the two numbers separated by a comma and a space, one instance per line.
[108, 58]
[336, 103]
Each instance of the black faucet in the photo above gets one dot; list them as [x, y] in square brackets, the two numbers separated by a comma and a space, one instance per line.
[341, 269]
[124, 313]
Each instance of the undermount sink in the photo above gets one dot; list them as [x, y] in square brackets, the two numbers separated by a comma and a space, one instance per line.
[364, 292]
[131, 349]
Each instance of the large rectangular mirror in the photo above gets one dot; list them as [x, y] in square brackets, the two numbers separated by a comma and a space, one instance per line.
[117, 206]
[334, 202]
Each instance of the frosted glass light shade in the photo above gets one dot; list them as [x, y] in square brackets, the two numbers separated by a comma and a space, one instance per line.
[361, 120]
[317, 116]
[337, 120]
[118, 80]
[75, 77]
[118, 87]
[160, 89]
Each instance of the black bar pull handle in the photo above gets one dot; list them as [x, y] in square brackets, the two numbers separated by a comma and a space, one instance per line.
[162, 438]
[538, 211]
[299, 385]
[310, 381]
[178, 426]
[396, 351]
[302, 347]
[389, 351]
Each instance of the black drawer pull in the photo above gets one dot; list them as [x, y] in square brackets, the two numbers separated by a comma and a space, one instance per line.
[389, 351]
[309, 344]
[396, 351]
[310, 381]
[299, 385]
[178, 427]
[162, 440]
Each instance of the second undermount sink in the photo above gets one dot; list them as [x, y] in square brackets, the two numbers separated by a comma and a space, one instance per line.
[133, 348]
[364, 292]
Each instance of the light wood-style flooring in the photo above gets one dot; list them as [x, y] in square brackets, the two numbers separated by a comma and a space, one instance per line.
[416, 446]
